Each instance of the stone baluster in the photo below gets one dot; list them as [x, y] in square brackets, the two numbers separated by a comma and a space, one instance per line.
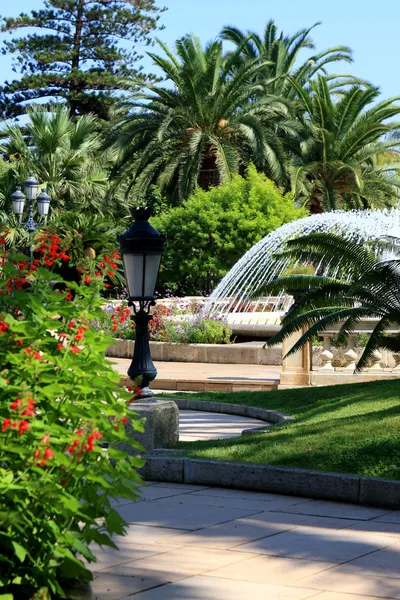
[396, 358]
[326, 355]
[350, 355]
[375, 361]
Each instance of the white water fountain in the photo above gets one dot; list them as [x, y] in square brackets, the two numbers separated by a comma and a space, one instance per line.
[233, 297]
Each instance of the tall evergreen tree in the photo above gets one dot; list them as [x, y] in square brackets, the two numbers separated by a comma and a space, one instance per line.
[79, 58]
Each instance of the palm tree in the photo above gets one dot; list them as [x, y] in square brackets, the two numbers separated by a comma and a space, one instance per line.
[206, 126]
[280, 55]
[342, 159]
[64, 154]
[365, 287]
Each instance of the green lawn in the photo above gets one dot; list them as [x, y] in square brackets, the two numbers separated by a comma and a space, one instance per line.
[343, 428]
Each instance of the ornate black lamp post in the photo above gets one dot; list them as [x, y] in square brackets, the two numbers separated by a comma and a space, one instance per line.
[141, 248]
[31, 194]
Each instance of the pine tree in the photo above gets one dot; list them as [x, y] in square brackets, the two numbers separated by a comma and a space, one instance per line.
[80, 58]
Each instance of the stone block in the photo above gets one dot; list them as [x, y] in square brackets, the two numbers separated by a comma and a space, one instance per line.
[270, 356]
[163, 468]
[190, 386]
[195, 353]
[157, 350]
[217, 387]
[181, 403]
[161, 428]
[279, 480]
[380, 492]
[164, 384]
[243, 354]
[257, 413]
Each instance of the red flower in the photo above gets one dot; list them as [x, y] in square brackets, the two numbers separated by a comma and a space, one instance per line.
[23, 426]
[3, 326]
[15, 404]
[87, 280]
[80, 334]
[62, 335]
[60, 346]
[48, 454]
[74, 349]
[125, 420]
[5, 425]
[28, 412]
[37, 454]
[69, 296]
[46, 438]
[36, 355]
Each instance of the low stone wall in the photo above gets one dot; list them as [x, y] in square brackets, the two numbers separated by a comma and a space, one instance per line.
[247, 353]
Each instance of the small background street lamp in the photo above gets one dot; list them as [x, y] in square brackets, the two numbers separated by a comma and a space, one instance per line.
[31, 186]
[141, 248]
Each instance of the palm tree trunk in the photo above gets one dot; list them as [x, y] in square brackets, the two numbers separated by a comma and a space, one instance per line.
[209, 175]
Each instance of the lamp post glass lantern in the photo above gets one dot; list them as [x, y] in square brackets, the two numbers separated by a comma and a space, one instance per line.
[141, 248]
[31, 186]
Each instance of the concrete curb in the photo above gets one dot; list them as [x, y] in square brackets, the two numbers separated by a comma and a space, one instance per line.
[369, 491]
[241, 410]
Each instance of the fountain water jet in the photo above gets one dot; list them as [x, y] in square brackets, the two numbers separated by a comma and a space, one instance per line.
[234, 294]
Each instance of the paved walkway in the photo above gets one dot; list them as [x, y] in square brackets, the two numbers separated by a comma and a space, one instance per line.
[200, 425]
[194, 376]
[197, 543]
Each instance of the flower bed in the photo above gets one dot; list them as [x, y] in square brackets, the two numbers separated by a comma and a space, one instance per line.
[176, 322]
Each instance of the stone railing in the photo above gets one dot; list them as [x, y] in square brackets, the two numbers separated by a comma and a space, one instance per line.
[302, 368]
[381, 361]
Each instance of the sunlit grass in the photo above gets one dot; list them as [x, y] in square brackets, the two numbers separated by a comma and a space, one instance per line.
[343, 428]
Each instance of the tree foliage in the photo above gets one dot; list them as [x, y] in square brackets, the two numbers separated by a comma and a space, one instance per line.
[79, 57]
[212, 230]
[65, 154]
[343, 159]
[279, 54]
[208, 126]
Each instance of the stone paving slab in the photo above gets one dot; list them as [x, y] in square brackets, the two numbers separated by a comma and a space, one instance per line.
[177, 549]
[325, 508]
[335, 546]
[172, 514]
[207, 588]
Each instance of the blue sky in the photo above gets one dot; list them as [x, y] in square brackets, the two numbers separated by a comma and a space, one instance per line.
[371, 29]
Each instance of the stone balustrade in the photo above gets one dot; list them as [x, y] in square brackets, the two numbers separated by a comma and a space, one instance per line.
[329, 366]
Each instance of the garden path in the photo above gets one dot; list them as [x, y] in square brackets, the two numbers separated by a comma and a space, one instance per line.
[209, 376]
[200, 425]
[188, 542]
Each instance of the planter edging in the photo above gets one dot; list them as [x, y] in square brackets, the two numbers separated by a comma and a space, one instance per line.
[368, 491]
[252, 412]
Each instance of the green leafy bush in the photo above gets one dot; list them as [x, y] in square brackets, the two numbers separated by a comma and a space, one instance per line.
[212, 230]
[60, 402]
[197, 331]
